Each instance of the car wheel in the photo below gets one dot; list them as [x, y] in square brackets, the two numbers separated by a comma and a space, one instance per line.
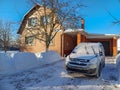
[98, 72]
[67, 70]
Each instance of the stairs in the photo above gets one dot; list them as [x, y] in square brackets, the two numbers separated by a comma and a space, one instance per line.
[110, 59]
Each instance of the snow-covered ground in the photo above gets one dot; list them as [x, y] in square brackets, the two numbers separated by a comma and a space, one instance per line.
[53, 76]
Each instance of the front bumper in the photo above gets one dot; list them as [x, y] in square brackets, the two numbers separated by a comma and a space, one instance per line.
[86, 69]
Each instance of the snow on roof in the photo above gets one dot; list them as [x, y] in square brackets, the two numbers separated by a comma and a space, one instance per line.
[102, 35]
[73, 30]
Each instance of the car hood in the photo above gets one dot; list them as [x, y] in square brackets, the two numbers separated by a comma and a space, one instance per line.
[88, 56]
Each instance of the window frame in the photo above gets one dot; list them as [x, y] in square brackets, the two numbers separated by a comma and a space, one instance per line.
[31, 22]
[29, 42]
[45, 19]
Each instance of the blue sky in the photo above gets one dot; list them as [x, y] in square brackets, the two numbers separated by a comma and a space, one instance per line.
[97, 20]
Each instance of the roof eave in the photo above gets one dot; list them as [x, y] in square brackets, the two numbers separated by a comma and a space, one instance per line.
[19, 30]
[102, 36]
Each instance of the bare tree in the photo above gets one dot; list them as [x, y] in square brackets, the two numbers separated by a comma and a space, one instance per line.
[56, 15]
[5, 35]
[116, 20]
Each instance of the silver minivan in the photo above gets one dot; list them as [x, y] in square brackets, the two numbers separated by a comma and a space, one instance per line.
[86, 58]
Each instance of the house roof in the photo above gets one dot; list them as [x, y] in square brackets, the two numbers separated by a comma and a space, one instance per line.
[90, 35]
[75, 31]
[22, 25]
[102, 36]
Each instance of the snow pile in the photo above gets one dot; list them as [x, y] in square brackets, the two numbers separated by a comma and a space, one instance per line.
[19, 61]
[118, 66]
[10, 53]
[24, 60]
[118, 60]
[48, 57]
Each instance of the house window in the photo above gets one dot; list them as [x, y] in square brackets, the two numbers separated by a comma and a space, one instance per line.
[29, 40]
[45, 19]
[57, 30]
[32, 21]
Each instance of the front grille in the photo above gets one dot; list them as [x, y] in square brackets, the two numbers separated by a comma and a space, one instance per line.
[75, 63]
[79, 60]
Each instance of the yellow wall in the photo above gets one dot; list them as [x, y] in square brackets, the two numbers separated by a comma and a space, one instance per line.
[114, 46]
[38, 45]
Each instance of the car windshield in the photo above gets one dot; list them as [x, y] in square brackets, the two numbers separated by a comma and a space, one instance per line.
[85, 49]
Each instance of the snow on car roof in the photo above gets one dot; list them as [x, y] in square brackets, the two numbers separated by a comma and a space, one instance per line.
[89, 47]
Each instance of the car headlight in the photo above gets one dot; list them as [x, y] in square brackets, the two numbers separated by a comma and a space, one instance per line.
[67, 58]
[93, 61]
[71, 59]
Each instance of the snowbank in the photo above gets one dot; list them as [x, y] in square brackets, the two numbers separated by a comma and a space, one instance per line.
[118, 66]
[118, 60]
[48, 57]
[25, 60]
[13, 62]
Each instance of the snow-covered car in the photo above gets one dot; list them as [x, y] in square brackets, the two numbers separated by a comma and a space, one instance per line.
[86, 58]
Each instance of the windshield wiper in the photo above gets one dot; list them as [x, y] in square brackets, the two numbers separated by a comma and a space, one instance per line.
[93, 50]
[86, 50]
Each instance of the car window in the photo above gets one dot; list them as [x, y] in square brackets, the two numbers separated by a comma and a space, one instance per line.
[102, 49]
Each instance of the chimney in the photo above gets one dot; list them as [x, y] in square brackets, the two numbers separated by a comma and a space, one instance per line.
[82, 23]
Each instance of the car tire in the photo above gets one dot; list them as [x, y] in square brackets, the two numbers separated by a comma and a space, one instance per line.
[98, 72]
[67, 70]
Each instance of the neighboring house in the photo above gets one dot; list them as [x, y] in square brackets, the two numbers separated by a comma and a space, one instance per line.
[64, 42]
[73, 38]
[109, 42]
[118, 45]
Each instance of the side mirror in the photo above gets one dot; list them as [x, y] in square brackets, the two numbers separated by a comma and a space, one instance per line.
[100, 53]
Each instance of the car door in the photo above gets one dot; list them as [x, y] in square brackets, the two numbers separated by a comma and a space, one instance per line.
[102, 54]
